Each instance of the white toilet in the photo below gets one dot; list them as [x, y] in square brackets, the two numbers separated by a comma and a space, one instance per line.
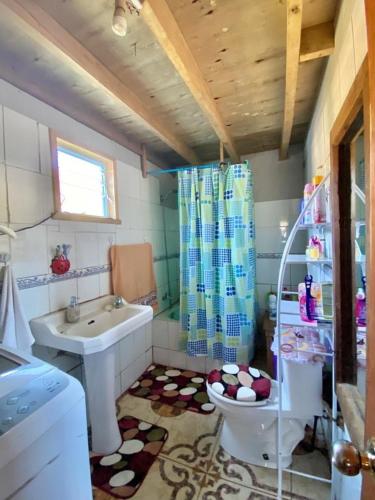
[249, 431]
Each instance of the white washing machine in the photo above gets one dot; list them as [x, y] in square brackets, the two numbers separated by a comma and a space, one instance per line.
[43, 432]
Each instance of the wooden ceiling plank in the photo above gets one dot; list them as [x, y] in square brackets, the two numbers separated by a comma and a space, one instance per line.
[293, 42]
[42, 27]
[161, 21]
[317, 41]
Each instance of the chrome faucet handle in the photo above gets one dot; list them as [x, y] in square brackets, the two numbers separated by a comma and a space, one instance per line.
[118, 302]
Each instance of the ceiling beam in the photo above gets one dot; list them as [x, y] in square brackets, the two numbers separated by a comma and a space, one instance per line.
[293, 42]
[159, 18]
[317, 41]
[43, 28]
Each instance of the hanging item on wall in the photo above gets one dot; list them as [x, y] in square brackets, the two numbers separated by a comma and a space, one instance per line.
[60, 263]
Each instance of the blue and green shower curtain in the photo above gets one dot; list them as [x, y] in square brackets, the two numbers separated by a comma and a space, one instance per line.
[217, 262]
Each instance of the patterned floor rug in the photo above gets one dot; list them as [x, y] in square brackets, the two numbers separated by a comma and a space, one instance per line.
[182, 389]
[122, 473]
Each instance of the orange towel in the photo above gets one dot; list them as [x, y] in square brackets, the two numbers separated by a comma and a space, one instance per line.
[133, 273]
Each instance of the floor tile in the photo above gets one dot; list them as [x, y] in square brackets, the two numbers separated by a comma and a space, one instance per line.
[309, 488]
[136, 407]
[192, 438]
[225, 490]
[314, 463]
[168, 480]
[225, 466]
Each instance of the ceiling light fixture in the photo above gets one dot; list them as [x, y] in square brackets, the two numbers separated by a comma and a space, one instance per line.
[119, 22]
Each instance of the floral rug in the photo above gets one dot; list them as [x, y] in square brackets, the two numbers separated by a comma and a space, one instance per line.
[182, 389]
[122, 473]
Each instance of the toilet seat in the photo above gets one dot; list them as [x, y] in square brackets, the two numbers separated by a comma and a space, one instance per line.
[234, 402]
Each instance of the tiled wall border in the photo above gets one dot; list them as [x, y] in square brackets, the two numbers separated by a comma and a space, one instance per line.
[274, 255]
[44, 279]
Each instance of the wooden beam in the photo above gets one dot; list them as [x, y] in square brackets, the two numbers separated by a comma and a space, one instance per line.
[317, 41]
[45, 30]
[159, 18]
[144, 161]
[293, 42]
[221, 152]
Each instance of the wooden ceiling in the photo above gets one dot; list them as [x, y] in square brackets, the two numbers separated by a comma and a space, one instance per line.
[238, 45]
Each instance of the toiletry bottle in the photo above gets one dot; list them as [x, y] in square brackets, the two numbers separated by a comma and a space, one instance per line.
[272, 306]
[73, 310]
[360, 307]
[307, 192]
[319, 205]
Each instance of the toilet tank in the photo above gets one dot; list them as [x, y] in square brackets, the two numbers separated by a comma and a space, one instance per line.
[302, 388]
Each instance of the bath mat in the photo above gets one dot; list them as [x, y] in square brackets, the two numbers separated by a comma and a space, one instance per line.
[122, 473]
[183, 389]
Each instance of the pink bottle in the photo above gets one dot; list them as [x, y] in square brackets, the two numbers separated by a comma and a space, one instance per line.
[360, 307]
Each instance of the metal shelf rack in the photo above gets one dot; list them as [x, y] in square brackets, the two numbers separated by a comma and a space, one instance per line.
[287, 318]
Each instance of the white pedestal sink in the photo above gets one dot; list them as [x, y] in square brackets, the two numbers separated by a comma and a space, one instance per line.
[94, 337]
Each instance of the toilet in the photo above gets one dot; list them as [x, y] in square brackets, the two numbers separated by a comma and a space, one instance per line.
[249, 431]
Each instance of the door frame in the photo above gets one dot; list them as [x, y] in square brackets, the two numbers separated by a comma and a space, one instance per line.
[359, 415]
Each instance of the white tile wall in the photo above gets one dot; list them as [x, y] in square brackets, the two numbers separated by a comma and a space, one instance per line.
[165, 339]
[269, 216]
[26, 163]
[350, 50]
[21, 141]
[88, 287]
[60, 293]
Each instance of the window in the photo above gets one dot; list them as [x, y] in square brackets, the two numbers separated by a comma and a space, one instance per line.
[84, 183]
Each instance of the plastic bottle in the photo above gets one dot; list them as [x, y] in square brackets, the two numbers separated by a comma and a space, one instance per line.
[307, 193]
[360, 307]
[272, 306]
[73, 310]
[319, 205]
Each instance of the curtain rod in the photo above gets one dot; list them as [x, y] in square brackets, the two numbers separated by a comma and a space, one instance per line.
[158, 172]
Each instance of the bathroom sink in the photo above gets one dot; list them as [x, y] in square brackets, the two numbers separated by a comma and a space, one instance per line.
[97, 329]
[94, 337]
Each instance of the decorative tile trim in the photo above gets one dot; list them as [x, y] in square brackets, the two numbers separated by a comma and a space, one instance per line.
[274, 255]
[44, 279]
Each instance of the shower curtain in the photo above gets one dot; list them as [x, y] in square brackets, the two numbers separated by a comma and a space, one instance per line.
[217, 262]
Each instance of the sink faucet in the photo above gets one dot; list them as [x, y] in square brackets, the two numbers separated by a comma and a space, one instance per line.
[118, 302]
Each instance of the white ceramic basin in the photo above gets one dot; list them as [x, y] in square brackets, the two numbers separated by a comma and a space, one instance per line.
[94, 337]
[96, 330]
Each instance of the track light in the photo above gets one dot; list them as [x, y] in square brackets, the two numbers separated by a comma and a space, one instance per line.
[119, 22]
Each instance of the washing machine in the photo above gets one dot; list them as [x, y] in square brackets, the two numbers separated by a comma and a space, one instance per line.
[44, 451]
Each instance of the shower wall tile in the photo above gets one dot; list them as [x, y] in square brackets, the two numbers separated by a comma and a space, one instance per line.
[161, 276]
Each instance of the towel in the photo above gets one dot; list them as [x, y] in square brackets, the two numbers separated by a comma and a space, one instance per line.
[14, 328]
[133, 273]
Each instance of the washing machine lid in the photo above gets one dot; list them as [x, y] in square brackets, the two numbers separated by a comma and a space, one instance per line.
[18, 368]
[33, 396]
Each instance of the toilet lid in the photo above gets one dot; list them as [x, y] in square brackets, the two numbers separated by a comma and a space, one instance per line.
[240, 383]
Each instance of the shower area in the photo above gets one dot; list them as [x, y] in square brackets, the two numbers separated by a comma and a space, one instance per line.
[169, 307]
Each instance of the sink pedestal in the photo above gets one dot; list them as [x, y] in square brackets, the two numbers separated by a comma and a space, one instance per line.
[100, 383]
